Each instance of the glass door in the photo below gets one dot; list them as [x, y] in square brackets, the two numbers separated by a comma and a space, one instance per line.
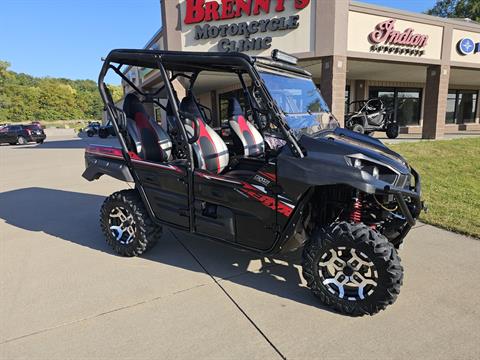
[406, 103]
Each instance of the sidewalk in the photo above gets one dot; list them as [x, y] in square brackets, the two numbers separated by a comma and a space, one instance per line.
[64, 294]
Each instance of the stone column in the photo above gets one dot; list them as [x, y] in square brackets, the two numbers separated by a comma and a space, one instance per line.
[360, 90]
[172, 25]
[436, 93]
[332, 84]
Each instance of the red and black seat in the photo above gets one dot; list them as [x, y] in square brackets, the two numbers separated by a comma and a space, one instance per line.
[211, 152]
[245, 136]
[151, 142]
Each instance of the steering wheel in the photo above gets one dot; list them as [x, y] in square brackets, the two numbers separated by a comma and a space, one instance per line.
[192, 121]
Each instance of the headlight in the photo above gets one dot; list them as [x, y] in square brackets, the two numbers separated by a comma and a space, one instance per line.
[375, 170]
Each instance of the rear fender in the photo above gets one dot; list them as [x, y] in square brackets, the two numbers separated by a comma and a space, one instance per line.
[95, 167]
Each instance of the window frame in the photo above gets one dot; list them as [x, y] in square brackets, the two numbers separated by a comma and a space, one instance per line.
[455, 115]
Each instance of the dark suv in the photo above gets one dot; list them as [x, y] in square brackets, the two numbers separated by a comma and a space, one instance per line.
[21, 134]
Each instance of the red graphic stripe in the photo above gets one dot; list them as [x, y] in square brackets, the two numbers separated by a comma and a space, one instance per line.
[204, 133]
[266, 200]
[269, 176]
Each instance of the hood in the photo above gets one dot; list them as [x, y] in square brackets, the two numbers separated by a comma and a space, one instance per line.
[330, 158]
[347, 143]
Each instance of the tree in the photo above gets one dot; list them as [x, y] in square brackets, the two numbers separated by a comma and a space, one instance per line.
[25, 98]
[457, 9]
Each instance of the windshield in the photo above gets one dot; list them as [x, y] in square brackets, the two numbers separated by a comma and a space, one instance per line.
[305, 110]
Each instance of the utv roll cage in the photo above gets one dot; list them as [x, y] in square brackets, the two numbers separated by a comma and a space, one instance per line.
[174, 64]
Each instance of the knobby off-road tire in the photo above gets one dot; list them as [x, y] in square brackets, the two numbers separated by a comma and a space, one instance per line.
[124, 214]
[103, 133]
[371, 250]
[358, 129]
[392, 131]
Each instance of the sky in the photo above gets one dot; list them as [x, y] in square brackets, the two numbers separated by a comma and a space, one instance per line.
[67, 38]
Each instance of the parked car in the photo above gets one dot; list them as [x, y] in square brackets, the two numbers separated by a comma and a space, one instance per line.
[21, 134]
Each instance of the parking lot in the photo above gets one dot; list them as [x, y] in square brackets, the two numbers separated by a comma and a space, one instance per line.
[64, 294]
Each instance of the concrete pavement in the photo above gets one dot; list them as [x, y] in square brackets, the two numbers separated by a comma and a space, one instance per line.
[64, 294]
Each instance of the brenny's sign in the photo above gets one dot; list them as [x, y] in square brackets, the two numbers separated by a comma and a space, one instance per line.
[385, 38]
[256, 33]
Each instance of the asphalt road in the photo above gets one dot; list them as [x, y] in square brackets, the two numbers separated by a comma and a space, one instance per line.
[64, 294]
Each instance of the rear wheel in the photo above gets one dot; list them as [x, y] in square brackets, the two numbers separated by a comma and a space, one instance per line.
[103, 133]
[126, 224]
[89, 133]
[392, 131]
[352, 268]
[21, 140]
[358, 129]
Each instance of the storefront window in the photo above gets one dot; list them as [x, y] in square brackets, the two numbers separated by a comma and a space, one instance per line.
[461, 106]
[451, 104]
[347, 98]
[406, 103]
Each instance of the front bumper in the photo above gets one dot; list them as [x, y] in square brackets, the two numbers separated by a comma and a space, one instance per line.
[411, 212]
[37, 137]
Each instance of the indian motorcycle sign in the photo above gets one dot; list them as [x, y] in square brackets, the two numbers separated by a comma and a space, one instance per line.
[257, 34]
[386, 39]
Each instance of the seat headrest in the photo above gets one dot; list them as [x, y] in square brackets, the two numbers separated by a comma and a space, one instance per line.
[132, 105]
[234, 107]
[188, 104]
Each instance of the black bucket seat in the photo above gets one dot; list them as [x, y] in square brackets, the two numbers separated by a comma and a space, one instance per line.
[151, 141]
[245, 134]
[210, 151]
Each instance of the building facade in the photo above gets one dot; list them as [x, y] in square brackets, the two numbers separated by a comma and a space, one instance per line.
[425, 68]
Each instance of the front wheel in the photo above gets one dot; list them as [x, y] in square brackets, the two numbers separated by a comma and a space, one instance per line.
[358, 129]
[126, 224]
[352, 268]
[102, 133]
[392, 131]
[90, 133]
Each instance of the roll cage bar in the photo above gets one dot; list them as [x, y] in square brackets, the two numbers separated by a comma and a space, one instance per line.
[193, 62]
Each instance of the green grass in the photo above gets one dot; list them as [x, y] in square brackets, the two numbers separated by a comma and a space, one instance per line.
[450, 172]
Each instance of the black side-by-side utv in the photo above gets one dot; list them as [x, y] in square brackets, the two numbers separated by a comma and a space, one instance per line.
[368, 116]
[290, 179]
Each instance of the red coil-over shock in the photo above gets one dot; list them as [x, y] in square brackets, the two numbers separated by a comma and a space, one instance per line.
[356, 214]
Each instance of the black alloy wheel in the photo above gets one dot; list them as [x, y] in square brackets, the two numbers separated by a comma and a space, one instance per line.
[352, 268]
[127, 226]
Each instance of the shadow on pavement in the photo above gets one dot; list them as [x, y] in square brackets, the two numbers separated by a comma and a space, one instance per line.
[73, 217]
